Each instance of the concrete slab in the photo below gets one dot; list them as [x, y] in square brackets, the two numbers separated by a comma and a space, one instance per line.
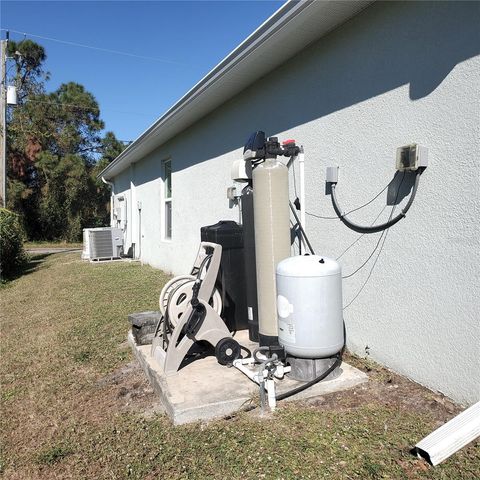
[204, 390]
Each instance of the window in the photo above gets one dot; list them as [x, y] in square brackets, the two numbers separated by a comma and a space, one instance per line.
[167, 199]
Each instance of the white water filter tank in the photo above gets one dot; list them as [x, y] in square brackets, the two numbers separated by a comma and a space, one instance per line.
[309, 306]
[272, 240]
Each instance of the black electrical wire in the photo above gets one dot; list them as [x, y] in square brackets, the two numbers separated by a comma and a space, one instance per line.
[320, 216]
[361, 235]
[379, 252]
[369, 274]
[368, 258]
[374, 198]
[246, 350]
[259, 350]
[383, 226]
[202, 265]
[383, 232]
[355, 209]
[304, 235]
[321, 377]
[303, 387]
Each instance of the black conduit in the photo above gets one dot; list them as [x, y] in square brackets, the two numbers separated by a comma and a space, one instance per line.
[374, 228]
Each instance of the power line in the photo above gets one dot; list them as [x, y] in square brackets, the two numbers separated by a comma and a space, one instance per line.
[82, 107]
[91, 47]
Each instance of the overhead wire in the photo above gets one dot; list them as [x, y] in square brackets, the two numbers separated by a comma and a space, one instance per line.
[118, 52]
[82, 107]
[91, 47]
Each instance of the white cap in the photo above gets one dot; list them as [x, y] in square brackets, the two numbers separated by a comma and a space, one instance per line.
[308, 266]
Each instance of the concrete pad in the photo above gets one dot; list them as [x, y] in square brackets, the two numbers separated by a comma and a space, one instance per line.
[203, 389]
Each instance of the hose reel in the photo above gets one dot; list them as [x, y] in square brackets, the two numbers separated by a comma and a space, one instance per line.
[176, 295]
[191, 308]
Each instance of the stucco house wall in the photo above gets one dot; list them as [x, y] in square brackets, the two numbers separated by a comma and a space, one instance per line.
[396, 73]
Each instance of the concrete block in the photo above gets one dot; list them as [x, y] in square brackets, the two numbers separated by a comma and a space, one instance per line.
[143, 326]
[204, 390]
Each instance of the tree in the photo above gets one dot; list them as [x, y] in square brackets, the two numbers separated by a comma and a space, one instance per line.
[55, 151]
[29, 75]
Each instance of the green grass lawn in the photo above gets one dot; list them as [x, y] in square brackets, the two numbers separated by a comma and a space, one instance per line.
[75, 406]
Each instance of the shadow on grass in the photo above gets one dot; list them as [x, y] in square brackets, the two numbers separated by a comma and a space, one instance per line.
[32, 263]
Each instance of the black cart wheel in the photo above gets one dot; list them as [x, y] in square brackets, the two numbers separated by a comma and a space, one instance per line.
[227, 350]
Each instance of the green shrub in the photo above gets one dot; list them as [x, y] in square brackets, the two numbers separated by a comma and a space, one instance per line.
[12, 254]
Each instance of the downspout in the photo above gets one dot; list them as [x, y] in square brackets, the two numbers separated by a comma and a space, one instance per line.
[111, 185]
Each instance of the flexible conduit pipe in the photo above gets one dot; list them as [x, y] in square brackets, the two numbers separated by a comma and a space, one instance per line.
[374, 228]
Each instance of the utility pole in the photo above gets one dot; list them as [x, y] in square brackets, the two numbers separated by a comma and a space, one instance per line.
[3, 113]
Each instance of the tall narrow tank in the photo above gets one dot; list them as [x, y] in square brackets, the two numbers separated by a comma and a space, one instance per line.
[272, 240]
[309, 306]
[250, 266]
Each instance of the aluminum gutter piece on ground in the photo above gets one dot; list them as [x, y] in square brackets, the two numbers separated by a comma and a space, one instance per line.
[452, 436]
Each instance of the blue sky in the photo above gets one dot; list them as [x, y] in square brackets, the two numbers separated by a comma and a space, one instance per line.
[190, 36]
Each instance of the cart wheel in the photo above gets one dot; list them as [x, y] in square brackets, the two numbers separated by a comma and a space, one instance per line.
[227, 350]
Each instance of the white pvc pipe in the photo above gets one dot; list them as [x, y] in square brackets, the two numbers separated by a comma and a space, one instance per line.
[111, 185]
[301, 163]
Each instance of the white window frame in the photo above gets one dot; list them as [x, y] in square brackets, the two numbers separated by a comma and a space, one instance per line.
[166, 200]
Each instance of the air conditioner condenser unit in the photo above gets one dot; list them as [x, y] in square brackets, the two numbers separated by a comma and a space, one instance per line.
[103, 243]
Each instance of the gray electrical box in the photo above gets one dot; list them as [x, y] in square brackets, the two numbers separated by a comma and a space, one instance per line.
[331, 175]
[411, 157]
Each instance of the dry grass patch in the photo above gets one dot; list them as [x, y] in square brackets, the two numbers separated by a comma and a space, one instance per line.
[75, 405]
[50, 244]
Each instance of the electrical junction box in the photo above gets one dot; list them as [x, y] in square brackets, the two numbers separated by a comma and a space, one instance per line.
[232, 193]
[331, 175]
[411, 157]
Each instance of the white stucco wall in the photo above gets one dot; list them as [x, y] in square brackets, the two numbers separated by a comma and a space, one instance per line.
[395, 74]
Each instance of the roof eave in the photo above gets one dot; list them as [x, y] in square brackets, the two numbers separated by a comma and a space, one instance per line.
[272, 40]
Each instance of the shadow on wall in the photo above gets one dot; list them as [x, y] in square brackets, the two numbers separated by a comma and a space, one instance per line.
[386, 46]
[399, 187]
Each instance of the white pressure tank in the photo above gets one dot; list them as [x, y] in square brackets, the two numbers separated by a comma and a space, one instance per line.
[309, 306]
